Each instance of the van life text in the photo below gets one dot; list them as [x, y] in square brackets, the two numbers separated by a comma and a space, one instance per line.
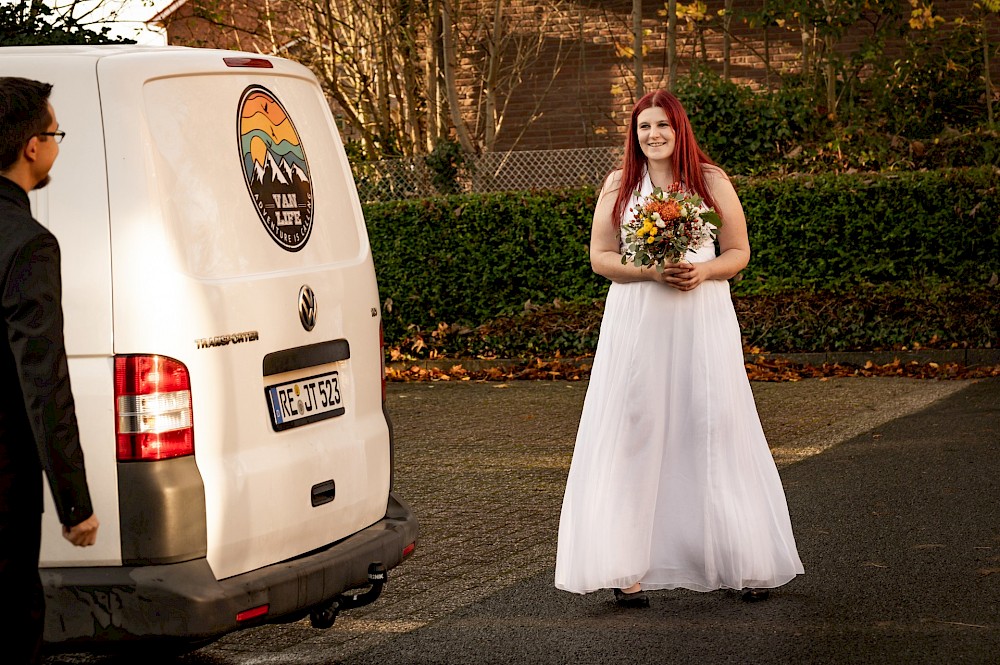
[288, 213]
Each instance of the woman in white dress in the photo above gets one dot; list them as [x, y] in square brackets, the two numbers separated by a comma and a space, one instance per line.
[672, 484]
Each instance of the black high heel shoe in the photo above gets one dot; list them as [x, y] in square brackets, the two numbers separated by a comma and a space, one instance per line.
[637, 599]
[755, 595]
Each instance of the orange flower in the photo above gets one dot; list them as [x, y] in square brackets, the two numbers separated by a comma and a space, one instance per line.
[669, 210]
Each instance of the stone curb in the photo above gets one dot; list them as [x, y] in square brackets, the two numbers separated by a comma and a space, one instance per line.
[966, 357]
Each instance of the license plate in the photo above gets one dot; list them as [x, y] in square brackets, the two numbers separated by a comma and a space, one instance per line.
[305, 401]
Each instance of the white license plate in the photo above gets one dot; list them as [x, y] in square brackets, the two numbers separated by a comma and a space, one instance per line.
[305, 401]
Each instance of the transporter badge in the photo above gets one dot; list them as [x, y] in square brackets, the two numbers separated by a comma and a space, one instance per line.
[275, 168]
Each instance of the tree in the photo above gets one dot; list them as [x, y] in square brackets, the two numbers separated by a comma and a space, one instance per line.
[671, 44]
[822, 25]
[923, 18]
[397, 71]
[637, 47]
[498, 48]
[984, 8]
[364, 52]
[33, 23]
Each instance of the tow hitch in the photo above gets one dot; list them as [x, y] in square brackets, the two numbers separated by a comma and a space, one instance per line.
[323, 616]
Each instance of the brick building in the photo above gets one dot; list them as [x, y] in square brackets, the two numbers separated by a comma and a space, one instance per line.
[579, 90]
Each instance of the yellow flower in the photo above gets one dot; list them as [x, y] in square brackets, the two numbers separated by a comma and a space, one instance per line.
[650, 240]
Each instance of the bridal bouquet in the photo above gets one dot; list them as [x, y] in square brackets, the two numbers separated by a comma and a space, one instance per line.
[664, 226]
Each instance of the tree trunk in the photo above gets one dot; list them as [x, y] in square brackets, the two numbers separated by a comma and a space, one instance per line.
[766, 22]
[637, 47]
[806, 50]
[382, 83]
[490, 82]
[831, 79]
[431, 69]
[671, 44]
[415, 128]
[986, 74]
[727, 39]
[448, 62]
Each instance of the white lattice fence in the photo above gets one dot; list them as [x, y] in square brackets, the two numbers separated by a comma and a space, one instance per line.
[389, 180]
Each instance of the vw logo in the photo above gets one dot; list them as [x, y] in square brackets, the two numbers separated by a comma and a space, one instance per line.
[307, 307]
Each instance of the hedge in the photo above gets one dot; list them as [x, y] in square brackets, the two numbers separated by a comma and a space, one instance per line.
[878, 317]
[468, 259]
[837, 230]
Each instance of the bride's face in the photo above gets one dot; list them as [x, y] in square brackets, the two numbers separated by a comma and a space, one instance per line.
[654, 133]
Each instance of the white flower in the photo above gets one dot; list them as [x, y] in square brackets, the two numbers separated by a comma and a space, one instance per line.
[660, 223]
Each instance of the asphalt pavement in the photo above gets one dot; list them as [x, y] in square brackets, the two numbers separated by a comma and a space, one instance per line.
[899, 532]
[893, 487]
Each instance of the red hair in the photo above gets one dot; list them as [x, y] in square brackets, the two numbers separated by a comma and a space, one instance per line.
[687, 162]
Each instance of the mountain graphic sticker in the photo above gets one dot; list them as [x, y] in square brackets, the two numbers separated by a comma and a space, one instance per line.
[275, 168]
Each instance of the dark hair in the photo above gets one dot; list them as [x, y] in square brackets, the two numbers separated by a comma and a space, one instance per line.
[24, 112]
[688, 160]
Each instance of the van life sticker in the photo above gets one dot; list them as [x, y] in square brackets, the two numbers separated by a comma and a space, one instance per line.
[275, 168]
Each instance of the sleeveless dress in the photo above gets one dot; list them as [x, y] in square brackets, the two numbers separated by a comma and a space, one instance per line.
[672, 483]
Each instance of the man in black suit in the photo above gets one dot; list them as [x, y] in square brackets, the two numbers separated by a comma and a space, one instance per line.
[38, 428]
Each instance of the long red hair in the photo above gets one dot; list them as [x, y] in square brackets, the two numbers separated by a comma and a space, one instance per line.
[687, 162]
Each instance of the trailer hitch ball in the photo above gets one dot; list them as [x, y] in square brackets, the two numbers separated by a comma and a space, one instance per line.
[324, 616]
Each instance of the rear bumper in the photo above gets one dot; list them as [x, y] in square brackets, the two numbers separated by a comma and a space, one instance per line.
[183, 602]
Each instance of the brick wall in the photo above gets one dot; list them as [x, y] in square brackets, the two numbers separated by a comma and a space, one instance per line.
[592, 95]
[580, 90]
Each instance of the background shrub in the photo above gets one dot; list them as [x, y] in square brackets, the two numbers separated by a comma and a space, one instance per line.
[744, 131]
[935, 84]
[878, 317]
[847, 229]
[465, 259]
[890, 256]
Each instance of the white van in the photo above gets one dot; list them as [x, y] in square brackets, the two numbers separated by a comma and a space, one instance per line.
[224, 338]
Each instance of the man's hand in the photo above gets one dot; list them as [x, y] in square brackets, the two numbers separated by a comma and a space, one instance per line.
[83, 534]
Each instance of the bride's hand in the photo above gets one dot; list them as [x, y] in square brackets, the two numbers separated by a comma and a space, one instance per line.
[684, 276]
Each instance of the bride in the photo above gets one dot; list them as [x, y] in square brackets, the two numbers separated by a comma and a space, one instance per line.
[672, 484]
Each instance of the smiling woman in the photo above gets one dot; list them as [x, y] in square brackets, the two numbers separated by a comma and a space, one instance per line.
[672, 483]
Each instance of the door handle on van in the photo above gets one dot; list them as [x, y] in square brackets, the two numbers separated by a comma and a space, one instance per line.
[323, 492]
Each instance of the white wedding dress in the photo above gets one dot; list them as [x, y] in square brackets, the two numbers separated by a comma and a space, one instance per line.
[672, 483]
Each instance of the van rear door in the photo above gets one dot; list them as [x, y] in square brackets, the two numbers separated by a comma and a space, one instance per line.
[239, 250]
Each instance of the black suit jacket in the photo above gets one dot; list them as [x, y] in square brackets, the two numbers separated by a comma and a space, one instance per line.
[38, 428]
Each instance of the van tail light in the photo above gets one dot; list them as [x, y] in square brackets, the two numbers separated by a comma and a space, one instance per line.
[381, 353]
[256, 63]
[153, 418]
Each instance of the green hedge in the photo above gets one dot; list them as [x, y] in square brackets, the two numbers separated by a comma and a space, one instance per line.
[468, 259]
[847, 229]
[870, 317]
[879, 317]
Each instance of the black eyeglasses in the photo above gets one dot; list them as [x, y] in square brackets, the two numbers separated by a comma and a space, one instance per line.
[58, 136]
